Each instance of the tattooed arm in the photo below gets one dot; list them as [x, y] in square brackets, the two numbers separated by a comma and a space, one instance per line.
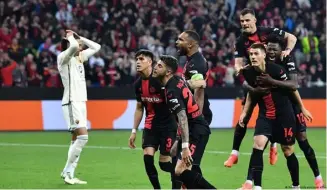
[183, 125]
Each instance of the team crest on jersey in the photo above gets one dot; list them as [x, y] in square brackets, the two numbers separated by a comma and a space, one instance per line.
[77, 121]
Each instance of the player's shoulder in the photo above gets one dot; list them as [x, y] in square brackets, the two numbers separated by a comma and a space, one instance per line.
[274, 68]
[138, 81]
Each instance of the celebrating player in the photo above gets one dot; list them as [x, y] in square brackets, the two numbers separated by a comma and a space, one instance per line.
[194, 128]
[160, 126]
[274, 50]
[252, 34]
[70, 65]
[276, 117]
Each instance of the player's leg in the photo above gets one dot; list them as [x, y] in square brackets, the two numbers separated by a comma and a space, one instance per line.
[292, 164]
[190, 178]
[78, 125]
[167, 139]
[263, 130]
[273, 153]
[76, 115]
[239, 134]
[309, 153]
[150, 145]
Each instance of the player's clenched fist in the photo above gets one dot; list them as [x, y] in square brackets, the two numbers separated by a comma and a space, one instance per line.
[131, 141]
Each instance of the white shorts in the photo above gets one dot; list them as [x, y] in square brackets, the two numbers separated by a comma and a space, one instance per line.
[75, 115]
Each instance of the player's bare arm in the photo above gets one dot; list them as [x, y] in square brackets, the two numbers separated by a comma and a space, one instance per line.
[252, 89]
[246, 109]
[291, 41]
[199, 97]
[306, 113]
[71, 50]
[238, 65]
[183, 124]
[287, 84]
[194, 84]
[137, 120]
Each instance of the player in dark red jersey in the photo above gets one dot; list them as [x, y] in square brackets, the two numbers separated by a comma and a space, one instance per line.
[194, 128]
[160, 126]
[274, 50]
[195, 68]
[276, 118]
[251, 33]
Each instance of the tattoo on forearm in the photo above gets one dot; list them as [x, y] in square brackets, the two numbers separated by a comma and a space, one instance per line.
[182, 118]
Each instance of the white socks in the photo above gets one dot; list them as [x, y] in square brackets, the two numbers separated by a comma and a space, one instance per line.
[74, 153]
[318, 177]
[235, 152]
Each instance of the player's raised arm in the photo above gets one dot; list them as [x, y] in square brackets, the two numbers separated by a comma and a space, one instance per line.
[291, 41]
[70, 51]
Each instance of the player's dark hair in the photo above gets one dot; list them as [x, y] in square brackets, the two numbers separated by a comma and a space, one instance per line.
[170, 62]
[193, 35]
[145, 53]
[277, 40]
[258, 46]
[247, 11]
[64, 44]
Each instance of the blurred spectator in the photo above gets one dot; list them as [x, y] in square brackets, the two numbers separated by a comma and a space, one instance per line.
[31, 31]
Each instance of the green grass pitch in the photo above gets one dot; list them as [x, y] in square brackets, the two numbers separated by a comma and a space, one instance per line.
[35, 160]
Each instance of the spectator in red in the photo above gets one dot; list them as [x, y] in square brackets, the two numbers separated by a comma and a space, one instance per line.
[7, 66]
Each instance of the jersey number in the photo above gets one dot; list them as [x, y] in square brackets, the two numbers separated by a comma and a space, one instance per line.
[191, 106]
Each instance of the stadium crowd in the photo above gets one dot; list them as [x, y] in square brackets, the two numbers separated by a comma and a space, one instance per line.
[31, 31]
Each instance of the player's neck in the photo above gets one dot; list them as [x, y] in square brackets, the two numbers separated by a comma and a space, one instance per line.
[166, 79]
[192, 51]
[146, 73]
[262, 67]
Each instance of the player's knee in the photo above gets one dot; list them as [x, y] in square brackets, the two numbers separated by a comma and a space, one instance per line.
[287, 150]
[179, 169]
[149, 151]
[83, 139]
[260, 142]
[301, 136]
[80, 131]
[164, 158]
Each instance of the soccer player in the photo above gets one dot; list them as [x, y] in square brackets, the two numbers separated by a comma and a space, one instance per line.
[276, 118]
[251, 33]
[196, 68]
[70, 65]
[160, 126]
[194, 128]
[274, 50]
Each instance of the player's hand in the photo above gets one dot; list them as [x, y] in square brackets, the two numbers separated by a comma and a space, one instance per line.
[240, 69]
[186, 157]
[131, 141]
[241, 121]
[265, 79]
[197, 84]
[307, 114]
[70, 31]
[285, 53]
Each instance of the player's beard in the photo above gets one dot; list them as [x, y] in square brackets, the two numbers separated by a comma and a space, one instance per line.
[182, 51]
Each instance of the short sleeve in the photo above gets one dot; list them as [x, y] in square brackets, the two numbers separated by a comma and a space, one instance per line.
[174, 101]
[137, 89]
